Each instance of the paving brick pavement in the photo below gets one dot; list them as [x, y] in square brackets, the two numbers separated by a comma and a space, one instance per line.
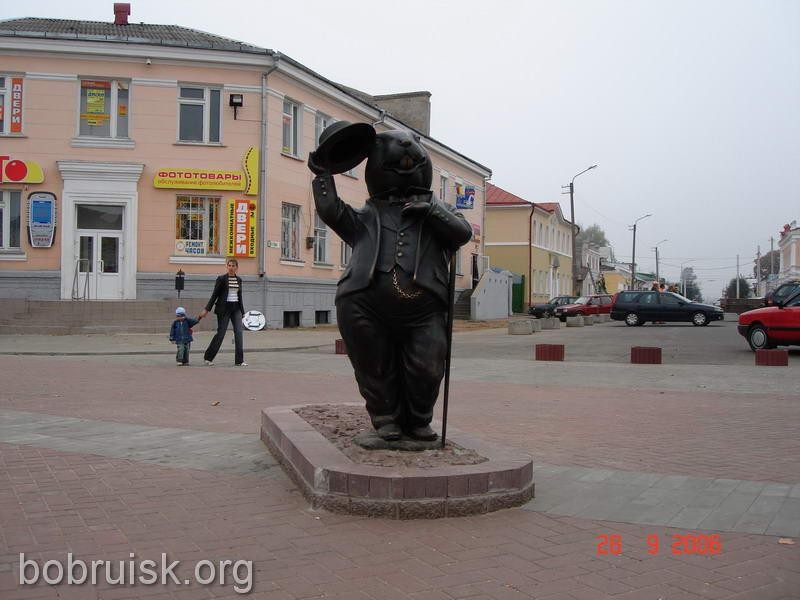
[704, 434]
[725, 442]
[99, 508]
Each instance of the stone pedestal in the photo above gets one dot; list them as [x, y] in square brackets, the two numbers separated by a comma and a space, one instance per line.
[330, 480]
[772, 358]
[520, 327]
[644, 355]
[589, 320]
[576, 321]
[549, 352]
[550, 323]
[536, 325]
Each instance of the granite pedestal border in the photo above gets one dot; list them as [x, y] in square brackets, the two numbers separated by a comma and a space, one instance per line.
[331, 481]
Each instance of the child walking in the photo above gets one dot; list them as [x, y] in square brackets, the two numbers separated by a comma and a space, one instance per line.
[181, 334]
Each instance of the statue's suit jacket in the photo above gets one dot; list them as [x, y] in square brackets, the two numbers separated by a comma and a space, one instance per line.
[441, 232]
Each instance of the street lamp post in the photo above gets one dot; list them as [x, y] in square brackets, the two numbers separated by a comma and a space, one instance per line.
[633, 257]
[658, 279]
[572, 225]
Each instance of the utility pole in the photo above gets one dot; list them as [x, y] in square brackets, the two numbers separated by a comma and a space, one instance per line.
[737, 276]
[572, 226]
[771, 256]
[633, 258]
[658, 279]
[758, 270]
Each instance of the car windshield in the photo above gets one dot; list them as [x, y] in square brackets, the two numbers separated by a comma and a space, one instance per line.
[582, 300]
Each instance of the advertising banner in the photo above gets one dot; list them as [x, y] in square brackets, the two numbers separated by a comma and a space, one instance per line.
[211, 179]
[14, 170]
[16, 105]
[465, 197]
[241, 241]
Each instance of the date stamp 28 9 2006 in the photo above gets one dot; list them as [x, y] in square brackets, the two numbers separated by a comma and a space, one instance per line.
[692, 543]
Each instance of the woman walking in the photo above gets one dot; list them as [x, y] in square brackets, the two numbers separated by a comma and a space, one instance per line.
[227, 303]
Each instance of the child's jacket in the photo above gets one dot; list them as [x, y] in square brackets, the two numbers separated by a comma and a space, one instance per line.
[181, 330]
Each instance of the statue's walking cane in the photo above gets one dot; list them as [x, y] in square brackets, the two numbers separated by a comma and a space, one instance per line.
[451, 291]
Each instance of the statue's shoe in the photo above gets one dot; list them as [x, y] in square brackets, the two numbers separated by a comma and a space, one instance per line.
[389, 432]
[424, 433]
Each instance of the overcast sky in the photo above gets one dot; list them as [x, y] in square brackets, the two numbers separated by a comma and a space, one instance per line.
[690, 108]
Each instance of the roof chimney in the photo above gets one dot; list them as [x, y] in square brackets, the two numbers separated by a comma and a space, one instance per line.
[121, 12]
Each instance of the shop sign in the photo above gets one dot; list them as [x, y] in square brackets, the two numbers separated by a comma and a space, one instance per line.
[209, 179]
[14, 170]
[41, 219]
[190, 247]
[476, 232]
[465, 197]
[241, 240]
[16, 105]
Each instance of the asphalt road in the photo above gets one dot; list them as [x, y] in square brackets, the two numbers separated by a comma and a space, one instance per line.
[718, 343]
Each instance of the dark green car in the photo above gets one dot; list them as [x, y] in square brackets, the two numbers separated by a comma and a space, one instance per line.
[548, 309]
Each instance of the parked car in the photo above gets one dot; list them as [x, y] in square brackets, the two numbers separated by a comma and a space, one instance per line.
[637, 307]
[595, 304]
[771, 326]
[782, 293]
[548, 309]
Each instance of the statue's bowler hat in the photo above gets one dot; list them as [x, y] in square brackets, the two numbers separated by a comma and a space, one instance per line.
[344, 145]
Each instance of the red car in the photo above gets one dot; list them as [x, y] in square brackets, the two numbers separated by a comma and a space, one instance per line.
[595, 304]
[772, 326]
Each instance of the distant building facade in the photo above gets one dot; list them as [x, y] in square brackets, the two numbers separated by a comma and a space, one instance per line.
[530, 239]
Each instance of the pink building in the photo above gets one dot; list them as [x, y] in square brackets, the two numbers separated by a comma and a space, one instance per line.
[131, 151]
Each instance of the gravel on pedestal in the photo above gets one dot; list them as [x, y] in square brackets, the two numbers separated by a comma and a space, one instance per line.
[350, 430]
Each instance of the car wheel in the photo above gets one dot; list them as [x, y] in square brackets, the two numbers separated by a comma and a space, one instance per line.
[632, 320]
[547, 314]
[758, 339]
[699, 319]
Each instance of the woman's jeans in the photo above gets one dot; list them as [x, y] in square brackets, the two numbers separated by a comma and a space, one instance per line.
[234, 315]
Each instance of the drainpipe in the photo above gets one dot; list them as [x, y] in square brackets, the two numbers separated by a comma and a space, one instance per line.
[262, 168]
[530, 256]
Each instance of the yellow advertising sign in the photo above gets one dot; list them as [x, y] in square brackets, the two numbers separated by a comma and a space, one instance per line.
[241, 241]
[95, 101]
[209, 179]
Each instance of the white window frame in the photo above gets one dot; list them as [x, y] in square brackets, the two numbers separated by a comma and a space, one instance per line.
[5, 103]
[345, 254]
[321, 122]
[320, 240]
[113, 109]
[5, 210]
[291, 220]
[291, 147]
[443, 179]
[459, 272]
[205, 102]
[207, 219]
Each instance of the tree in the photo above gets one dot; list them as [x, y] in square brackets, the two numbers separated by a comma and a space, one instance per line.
[594, 235]
[690, 288]
[770, 263]
[745, 290]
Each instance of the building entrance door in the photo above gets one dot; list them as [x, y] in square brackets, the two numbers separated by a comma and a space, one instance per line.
[99, 253]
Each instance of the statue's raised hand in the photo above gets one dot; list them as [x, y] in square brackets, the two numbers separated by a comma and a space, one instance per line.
[312, 164]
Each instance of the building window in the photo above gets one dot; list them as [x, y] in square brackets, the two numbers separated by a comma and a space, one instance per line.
[196, 226]
[104, 108]
[199, 115]
[9, 219]
[10, 104]
[345, 254]
[458, 262]
[290, 231]
[320, 240]
[291, 118]
[443, 188]
[322, 317]
[321, 122]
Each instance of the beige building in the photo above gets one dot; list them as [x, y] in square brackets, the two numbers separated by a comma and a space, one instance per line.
[133, 151]
[530, 239]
